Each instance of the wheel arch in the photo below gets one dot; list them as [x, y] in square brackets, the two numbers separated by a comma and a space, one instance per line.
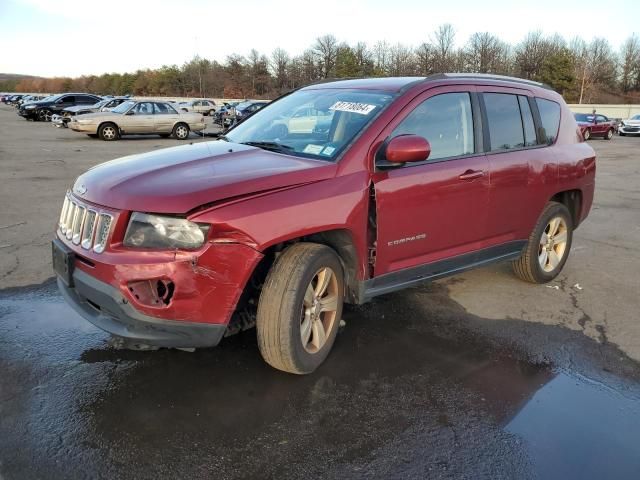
[572, 199]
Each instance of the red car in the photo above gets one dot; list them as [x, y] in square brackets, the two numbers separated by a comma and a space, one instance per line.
[596, 125]
[408, 180]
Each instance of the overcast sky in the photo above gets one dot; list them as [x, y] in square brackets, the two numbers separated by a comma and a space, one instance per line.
[75, 37]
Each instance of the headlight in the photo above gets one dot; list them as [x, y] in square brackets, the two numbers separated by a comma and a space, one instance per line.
[82, 121]
[29, 107]
[154, 231]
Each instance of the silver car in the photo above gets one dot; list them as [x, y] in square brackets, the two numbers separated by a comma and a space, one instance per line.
[139, 118]
[630, 126]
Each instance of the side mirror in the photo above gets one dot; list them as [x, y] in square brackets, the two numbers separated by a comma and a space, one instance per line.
[130, 112]
[407, 148]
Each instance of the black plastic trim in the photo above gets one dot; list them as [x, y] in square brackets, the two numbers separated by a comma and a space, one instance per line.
[409, 277]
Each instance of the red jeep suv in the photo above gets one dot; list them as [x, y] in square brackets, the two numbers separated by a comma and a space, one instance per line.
[336, 192]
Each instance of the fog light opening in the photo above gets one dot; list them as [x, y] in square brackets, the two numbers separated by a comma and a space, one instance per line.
[165, 290]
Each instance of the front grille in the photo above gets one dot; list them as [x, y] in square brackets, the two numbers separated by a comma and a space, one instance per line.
[632, 129]
[83, 225]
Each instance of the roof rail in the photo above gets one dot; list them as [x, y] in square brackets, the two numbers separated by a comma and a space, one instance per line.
[489, 76]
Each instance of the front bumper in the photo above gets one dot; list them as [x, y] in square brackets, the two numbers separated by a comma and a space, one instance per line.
[31, 113]
[83, 127]
[117, 290]
[60, 121]
[104, 306]
[629, 130]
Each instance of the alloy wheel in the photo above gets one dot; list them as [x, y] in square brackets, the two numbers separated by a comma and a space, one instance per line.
[553, 244]
[319, 310]
[109, 133]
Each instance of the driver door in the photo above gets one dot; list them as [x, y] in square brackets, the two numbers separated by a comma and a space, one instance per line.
[436, 209]
[140, 119]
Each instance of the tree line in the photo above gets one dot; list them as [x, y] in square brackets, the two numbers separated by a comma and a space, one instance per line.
[584, 72]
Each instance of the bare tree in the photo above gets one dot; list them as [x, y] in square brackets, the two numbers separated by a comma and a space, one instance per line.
[381, 57]
[279, 63]
[326, 48]
[424, 56]
[442, 44]
[486, 53]
[630, 64]
[401, 61]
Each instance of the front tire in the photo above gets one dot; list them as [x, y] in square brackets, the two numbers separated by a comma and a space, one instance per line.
[181, 131]
[300, 308]
[548, 247]
[108, 132]
[609, 134]
[45, 115]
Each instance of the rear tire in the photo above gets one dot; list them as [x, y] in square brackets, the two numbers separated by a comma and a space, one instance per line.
[108, 132]
[587, 134]
[609, 134]
[300, 308]
[212, 113]
[548, 247]
[181, 131]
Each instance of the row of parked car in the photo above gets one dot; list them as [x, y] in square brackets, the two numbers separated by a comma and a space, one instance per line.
[597, 125]
[110, 117]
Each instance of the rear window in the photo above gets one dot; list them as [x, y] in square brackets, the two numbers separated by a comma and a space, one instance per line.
[550, 117]
[505, 123]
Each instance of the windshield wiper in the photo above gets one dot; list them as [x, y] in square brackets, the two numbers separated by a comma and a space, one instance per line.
[273, 146]
[222, 137]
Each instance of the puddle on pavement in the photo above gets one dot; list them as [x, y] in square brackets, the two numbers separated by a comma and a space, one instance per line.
[394, 369]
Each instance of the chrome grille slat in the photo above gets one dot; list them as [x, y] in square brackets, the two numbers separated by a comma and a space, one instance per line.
[84, 226]
[71, 218]
[77, 224]
[88, 229]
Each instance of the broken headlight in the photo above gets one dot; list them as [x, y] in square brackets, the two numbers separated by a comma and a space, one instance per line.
[155, 231]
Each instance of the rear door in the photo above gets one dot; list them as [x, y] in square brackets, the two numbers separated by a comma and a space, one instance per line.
[437, 209]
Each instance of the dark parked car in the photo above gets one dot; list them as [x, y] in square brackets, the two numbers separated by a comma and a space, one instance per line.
[242, 110]
[43, 110]
[106, 105]
[416, 179]
[596, 125]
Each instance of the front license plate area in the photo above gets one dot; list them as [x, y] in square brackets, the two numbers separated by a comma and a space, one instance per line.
[63, 261]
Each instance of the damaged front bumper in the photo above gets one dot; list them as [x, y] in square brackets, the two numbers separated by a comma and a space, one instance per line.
[166, 299]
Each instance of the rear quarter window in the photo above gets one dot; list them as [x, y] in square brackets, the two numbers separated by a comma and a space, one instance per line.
[550, 118]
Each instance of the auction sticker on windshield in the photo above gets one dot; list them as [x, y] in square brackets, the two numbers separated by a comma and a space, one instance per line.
[354, 107]
[313, 149]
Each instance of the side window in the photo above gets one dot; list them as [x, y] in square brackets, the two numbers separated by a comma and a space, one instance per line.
[68, 99]
[550, 117]
[505, 123]
[602, 118]
[145, 108]
[163, 109]
[445, 121]
[527, 122]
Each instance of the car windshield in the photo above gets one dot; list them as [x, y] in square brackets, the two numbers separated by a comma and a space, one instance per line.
[583, 117]
[635, 117]
[101, 103]
[123, 107]
[311, 123]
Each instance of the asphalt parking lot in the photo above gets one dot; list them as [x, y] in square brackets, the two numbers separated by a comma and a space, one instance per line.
[477, 376]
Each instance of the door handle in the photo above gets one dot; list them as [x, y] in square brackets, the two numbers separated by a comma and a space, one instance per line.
[471, 174]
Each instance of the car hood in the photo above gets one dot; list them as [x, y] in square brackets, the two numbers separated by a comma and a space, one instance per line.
[635, 123]
[179, 179]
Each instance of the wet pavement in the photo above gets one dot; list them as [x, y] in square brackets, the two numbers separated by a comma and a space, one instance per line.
[416, 387]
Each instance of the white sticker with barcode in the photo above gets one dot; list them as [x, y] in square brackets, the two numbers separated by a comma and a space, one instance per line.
[354, 107]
